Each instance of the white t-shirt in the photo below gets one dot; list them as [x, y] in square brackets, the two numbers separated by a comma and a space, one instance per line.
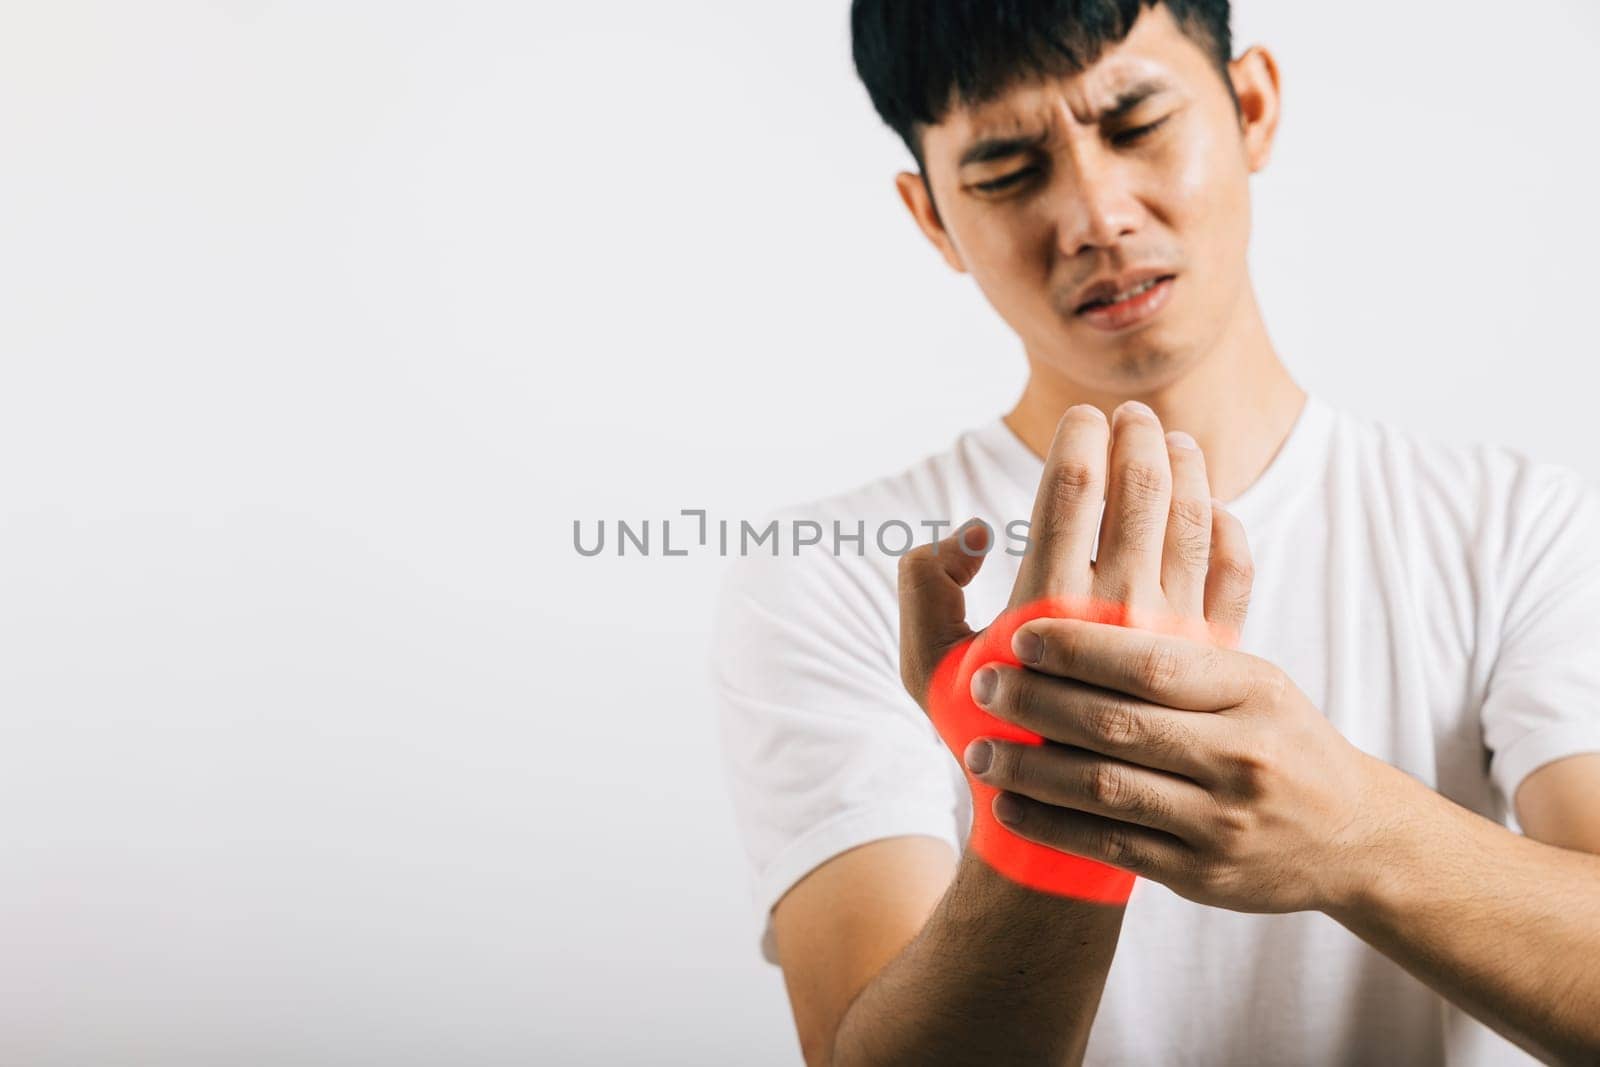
[1439, 604]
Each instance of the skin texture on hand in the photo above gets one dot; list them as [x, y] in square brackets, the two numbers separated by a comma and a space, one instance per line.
[960, 721]
[1203, 768]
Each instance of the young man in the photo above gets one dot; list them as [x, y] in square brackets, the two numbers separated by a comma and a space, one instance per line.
[1321, 816]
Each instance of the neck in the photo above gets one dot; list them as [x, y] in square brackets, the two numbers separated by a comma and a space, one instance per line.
[1238, 402]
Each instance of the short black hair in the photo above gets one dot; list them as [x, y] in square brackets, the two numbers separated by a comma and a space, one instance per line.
[918, 58]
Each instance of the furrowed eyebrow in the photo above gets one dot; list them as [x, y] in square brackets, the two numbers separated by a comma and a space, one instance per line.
[1130, 98]
[989, 149]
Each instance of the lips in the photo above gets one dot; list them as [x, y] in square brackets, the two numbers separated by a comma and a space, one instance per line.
[1126, 294]
[1110, 291]
[1117, 303]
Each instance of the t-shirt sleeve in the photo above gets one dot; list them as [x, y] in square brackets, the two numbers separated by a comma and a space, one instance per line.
[1542, 700]
[822, 747]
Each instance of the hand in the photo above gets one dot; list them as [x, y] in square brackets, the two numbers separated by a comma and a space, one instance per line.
[1166, 553]
[1201, 768]
[1167, 560]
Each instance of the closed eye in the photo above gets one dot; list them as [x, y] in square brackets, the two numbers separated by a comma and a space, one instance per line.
[1124, 138]
[995, 185]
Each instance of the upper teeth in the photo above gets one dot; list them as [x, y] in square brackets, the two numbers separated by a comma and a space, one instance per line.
[1135, 291]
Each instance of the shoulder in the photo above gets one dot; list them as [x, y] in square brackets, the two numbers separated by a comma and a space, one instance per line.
[1508, 529]
[1490, 492]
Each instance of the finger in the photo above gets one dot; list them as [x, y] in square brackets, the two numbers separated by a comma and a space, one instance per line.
[1171, 671]
[933, 608]
[1152, 853]
[1110, 723]
[1085, 781]
[1229, 577]
[1066, 509]
[1138, 491]
[1186, 552]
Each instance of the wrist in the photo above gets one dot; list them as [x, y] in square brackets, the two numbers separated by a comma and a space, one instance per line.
[985, 899]
[959, 720]
[1373, 865]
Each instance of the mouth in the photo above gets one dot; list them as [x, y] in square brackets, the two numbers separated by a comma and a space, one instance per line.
[1120, 303]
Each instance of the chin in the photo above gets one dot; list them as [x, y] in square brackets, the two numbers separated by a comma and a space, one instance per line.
[1141, 362]
[1147, 366]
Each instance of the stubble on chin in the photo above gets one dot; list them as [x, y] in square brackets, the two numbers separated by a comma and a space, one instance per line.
[1143, 364]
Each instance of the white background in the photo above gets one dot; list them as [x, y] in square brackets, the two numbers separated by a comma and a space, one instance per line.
[322, 322]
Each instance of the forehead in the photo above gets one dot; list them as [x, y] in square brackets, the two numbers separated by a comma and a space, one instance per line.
[1079, 98]
[1156, 52]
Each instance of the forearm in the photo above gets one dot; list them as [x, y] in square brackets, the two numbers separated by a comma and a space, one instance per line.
[1505, 927]
[999, 974]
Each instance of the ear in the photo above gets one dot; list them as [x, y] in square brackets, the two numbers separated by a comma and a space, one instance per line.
[1255, 83]
[914, 193]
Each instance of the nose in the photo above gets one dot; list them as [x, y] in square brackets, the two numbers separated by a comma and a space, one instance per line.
[1098, 208]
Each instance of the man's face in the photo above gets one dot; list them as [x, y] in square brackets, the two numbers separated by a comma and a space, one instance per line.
[1106, 215]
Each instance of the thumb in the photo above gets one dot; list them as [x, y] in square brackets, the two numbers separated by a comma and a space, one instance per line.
[933, 608]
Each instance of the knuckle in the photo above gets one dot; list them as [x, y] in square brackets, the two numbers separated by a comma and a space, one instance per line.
[1072, 482]
[1143, 481]
[1158, 666]
[1267, 684]
[1256, 764]
[1191, 514]
[1106, 785]
[1233, 829]
[1234, 571]
[1118, 848]
[1076, 475]
[1114, 723]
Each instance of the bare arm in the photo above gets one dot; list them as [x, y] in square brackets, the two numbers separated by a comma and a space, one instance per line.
[1000, 974]
[1504, 926]
[890, 960]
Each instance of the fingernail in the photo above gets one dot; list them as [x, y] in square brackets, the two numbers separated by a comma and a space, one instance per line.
[1006, 808]
[979, 755]
[1131, 407]
[1027, 645]
[983, 684]
[1179, 439]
